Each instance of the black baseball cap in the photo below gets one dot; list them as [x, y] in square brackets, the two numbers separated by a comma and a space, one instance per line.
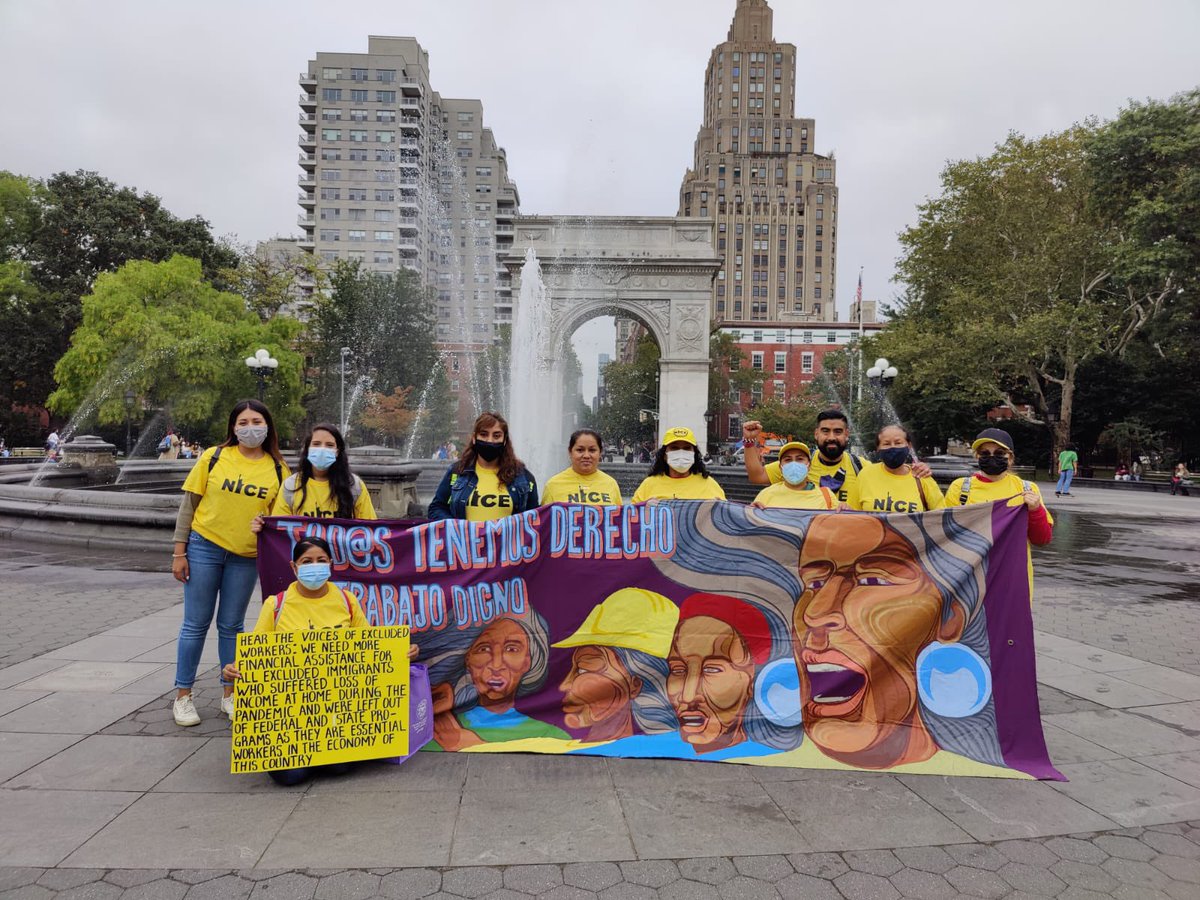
[995, 436]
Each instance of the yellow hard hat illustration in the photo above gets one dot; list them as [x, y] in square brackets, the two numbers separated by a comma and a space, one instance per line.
[632, 618]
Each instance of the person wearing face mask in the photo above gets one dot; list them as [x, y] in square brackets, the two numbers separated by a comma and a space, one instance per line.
[230, 486]
[582, 481]
[678, 472]
[324, 488]
[488, 481]
[311, 603]
[890, 485]
[994, 453]
[795, 491]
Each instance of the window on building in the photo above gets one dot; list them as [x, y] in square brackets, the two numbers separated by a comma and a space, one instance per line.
[333, 94]
[328, 153]
[385, 137]
[385, 235]
[358, 74]
[385, 115]
[465, 135]
[780, 361]
[358, 115]
[466, 117]
[356, 234]
[817, 294]
[359, 96]
[331, 194]
[331, 115]
[331, 74]
[331, 234]
[382, 196]
[384, 175]
[806, 363]
[383, 215]
[381, 155]
[331, 134]
[331, 212]
[331, 175]
[385, 96]
[756, 360]
[385, 75]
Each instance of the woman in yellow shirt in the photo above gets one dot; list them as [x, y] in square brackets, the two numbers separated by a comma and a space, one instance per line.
[582, 481]
[796, 491]
[215, 550]
[891, 485]
[488, 481]
[678, 472]
[324, 488]
[310, 603]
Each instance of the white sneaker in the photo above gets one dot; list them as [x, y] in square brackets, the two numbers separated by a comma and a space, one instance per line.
[227, 706]
[185, 711]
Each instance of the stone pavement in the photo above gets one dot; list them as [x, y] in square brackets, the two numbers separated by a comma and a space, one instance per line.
[102, 796]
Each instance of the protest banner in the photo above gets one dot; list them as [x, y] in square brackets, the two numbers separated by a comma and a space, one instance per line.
[312, 698]
[712, 631]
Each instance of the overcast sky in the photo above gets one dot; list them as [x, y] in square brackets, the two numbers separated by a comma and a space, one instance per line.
[597, 103]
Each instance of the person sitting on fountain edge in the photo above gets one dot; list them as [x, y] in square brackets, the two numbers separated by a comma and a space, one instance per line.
[488, 481]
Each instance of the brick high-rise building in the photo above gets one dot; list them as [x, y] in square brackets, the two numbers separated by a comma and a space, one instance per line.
[757, 174]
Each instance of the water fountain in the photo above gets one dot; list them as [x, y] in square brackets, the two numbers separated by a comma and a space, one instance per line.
[535, 428]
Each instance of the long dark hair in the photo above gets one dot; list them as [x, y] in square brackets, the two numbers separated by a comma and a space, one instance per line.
[341, 480]
[659, 465]
[510, 465]
[271, 444]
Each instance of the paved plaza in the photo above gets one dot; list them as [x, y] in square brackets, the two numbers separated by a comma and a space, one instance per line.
[102, 796]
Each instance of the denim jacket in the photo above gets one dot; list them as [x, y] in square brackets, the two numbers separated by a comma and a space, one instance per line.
[450, 499]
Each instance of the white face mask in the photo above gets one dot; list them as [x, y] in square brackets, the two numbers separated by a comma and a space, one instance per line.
[681, 460]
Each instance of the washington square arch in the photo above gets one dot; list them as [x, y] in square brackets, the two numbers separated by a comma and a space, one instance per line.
[658, 271]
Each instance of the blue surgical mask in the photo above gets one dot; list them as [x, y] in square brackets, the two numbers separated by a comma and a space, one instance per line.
[312, 575]
[322, 457]
[893, 457]
[794, 472]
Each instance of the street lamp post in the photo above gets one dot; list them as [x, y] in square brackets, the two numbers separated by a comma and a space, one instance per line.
[263, 365]
[128, 428]
[881, 375]
[345, 356]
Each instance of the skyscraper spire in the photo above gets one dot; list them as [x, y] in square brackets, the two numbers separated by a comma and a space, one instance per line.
[752, 21]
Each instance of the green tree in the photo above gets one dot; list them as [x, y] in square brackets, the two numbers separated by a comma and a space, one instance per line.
[30, 326]
[632, 390]
[387, 323]
[1011, 283]
[162, 331]
[20, 214]
[269, 284]
[729, 375]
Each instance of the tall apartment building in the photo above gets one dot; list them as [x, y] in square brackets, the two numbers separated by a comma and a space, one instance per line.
[757, 174]
[396, 176]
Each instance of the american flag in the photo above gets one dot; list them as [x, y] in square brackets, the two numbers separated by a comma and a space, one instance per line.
[858, 295]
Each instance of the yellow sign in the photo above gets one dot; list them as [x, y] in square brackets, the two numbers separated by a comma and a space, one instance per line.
[311, 698]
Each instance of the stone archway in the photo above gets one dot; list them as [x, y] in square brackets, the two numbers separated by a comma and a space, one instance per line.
[657, 270]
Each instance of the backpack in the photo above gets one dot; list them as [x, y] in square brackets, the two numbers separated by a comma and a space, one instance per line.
[165, 444]
[278, 598]
[965, 489]
[212, 462]
[288, 488]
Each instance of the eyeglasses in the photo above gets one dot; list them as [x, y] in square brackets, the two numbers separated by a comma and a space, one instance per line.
[988, 454]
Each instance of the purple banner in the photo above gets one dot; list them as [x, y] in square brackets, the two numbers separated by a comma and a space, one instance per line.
[711, 631]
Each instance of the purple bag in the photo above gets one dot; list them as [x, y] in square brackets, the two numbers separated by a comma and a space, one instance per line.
[420, 712]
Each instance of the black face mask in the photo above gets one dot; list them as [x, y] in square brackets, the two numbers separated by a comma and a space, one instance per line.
[893, 457]
[993, 465]
[488, 451]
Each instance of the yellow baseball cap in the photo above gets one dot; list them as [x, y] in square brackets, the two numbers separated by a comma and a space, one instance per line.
[679, 434]
[795, 445]
[632, 618]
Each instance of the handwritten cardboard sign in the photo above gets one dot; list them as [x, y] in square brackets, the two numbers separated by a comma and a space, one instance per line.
[312, 698]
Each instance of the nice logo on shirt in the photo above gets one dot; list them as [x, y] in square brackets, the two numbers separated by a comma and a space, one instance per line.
[589, 497]
[890, 505]
[244, 487]
[491, 501]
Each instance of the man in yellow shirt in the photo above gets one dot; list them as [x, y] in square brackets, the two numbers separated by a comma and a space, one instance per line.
[834, 466]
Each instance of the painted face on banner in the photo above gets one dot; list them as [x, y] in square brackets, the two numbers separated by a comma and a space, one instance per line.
[598, 687]
[498, 660]
[867, 610]
[710, 682]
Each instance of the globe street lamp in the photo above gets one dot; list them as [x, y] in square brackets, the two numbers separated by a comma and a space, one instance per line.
[263, 365]
[128, 431]
[882, 374]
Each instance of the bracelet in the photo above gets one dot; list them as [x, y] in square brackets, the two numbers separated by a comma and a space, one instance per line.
[747, 443]
[178, 556]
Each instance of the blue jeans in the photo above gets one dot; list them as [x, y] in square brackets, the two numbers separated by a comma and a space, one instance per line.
[218, 581]
[1064, 481]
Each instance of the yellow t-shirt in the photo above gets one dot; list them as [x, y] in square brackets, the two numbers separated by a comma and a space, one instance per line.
[883, 491]
[847, 493]
[231, 495]
[299, 613]
[490, 500]
[664, 487]
[596, 489]
[320, 504]
[808, 497]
